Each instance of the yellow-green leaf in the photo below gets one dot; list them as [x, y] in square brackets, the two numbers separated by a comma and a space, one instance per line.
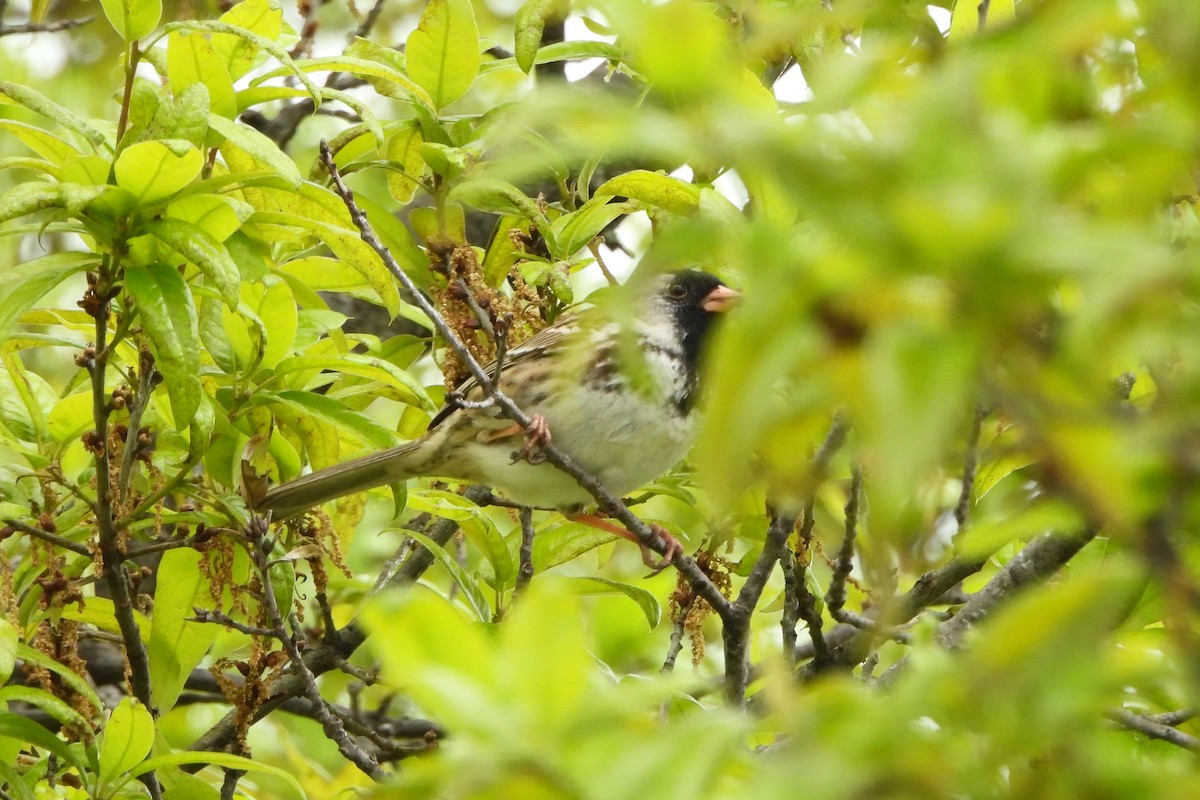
[132, 19]
[443, 52]
[154, 171]
[127, 739]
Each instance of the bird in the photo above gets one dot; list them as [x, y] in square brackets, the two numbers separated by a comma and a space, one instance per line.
[617, 393]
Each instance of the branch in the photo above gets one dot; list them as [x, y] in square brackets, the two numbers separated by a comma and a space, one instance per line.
[45, 27]
[525, 558]
[835, 598]
[735, 633]
[606, 500]
[330, 723]
[334, 649]
[51, 538]
[1151, 727]
[1040, 559]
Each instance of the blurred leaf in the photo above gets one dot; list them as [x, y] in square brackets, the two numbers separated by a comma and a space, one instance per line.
[646, 601]
[8, 649]
[528, 24]
[25, 730]
[470, 587]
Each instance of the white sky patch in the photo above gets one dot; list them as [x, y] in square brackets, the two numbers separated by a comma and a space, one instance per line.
[577, 31]
[44, 54]
[792, 86]
[940, 17]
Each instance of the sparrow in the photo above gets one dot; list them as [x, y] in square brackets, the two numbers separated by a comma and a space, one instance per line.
[617, 394]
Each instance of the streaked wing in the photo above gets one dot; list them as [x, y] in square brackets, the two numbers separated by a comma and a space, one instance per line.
[547, 340]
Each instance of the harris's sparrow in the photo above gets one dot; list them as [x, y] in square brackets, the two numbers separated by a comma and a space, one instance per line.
[580, 380]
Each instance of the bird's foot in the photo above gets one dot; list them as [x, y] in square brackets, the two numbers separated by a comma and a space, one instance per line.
[536, 435]
[672, 548]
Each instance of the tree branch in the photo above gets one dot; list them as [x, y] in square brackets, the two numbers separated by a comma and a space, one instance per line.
[1041, 558]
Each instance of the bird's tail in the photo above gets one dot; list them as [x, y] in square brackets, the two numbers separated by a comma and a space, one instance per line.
[375, 469]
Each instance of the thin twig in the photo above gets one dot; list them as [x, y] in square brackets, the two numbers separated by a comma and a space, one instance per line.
[330, 724]
[962, 510]
[607, 501]
[835, 597]
[1041, 558]
[677, 632]
[1155, 730]
[45, 27]
[50, 538]
[525, 557]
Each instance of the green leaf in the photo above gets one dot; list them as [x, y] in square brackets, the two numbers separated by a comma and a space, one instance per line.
[202, 249]
[176, 645]
[575, 230]
[469, 586]
[403, 149]
[360, 426]
[43, 105]
[279, 53]
[443, 52]
[256, 16]
[78, 685]
[349, 248]
[386, 80]
[646, 601]
[501, 197]
[562, 541]
[652, 188]
[257, 146]
[363, 366]
[154, 171]
[53, 148]
[25, 730]
[219, 760]
[45, 701]
[192, 60]
[475, 523]
[26, 198]
[8, 649]
[24, 284]
[277, 310]
[561, 51]
[169, 319]
[528, 24]
[128, 737]
[71, 416]
[132, 19]
[218, 215]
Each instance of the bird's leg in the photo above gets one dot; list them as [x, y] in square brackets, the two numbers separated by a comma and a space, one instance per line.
[536, 435]
[673, 547]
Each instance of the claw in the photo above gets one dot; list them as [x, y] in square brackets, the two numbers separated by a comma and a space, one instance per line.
[538, 434]
[673, 550]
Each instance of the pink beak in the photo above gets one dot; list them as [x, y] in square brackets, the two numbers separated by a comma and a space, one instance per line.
[720, 299]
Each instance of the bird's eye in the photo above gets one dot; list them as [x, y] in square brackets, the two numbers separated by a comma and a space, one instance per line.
[676, 291]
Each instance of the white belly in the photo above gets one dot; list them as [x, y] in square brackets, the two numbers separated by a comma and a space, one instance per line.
[611, 435]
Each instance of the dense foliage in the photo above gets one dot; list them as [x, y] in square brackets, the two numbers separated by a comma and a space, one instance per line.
[942, 521]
